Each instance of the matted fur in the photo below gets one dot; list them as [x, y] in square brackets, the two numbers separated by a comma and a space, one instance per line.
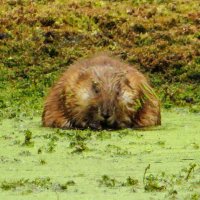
[101, 93]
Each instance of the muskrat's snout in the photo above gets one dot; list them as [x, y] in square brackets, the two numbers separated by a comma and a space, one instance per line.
[105, 115]
[101, 117]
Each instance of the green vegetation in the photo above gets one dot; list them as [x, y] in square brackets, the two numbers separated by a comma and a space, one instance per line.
[155, 163]
[39, 40]
[28, 138]
[38, 184]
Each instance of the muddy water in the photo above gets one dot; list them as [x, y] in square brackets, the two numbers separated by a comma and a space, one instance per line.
[43, 163]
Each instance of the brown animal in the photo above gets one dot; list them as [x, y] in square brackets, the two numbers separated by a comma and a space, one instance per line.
[101, 93]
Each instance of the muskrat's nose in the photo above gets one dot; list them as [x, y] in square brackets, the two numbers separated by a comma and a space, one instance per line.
[105, 115]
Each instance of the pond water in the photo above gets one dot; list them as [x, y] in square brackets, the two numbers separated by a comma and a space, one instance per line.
[156, 163]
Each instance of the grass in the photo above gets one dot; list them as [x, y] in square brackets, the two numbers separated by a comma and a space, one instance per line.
[38, 40]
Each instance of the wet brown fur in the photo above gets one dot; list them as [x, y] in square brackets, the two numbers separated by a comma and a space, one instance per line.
[100, 93]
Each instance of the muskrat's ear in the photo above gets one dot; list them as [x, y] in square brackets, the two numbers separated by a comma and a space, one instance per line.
[95, 87]
[149, 113]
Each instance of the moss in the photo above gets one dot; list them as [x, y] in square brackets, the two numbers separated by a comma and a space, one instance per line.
[40, 39]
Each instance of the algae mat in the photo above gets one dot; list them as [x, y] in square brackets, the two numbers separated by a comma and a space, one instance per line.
[156, 163]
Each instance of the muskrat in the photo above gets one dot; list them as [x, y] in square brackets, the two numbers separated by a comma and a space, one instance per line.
[101, 93]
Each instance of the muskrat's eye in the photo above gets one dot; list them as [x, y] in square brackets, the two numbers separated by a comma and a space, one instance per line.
[95, 87]
[118, 89]
[127, 82]
[118, 92]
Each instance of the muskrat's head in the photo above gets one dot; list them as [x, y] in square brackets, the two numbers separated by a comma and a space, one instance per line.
[103, 98]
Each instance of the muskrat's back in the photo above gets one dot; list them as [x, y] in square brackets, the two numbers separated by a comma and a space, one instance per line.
[101, 93]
